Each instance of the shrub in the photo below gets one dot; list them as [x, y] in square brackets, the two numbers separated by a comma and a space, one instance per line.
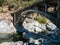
[41, 19]
[16, 37]
[2, 2]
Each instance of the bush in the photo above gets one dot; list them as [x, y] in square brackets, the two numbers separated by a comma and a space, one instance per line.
[16, 37]
[2, 2]
[19, 3]
[41, 19]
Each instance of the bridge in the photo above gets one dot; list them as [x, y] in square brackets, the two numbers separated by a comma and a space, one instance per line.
[19, 15]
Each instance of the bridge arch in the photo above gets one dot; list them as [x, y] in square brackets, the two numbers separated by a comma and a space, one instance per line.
[51, 18]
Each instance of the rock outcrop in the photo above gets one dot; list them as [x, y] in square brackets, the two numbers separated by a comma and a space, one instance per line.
[6, 26]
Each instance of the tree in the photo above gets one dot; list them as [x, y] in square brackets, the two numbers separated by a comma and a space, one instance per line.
[2, 2]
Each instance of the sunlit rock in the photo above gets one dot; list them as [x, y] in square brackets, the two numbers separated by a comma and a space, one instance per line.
[51, 26]
[33, 26]
[6, 28]
[31, 40]
[12, 43]
[51, 9]
[37, 42]
[19, 43]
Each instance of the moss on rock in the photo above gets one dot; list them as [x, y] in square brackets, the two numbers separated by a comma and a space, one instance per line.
[41, 19]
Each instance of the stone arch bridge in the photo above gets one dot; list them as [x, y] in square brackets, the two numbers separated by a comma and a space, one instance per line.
[19, 15]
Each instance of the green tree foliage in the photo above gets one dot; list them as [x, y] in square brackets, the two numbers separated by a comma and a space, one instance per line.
[18, 3]
[2, 2]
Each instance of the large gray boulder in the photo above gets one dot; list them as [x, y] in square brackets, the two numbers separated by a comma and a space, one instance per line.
[33, 26]
[6, 28]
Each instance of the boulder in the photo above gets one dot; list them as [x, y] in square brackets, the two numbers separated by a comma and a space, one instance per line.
[51, 26]
[6, 28]
[33, 26]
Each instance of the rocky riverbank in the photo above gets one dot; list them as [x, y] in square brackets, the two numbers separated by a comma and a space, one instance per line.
[39, 32]
[35, 30]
